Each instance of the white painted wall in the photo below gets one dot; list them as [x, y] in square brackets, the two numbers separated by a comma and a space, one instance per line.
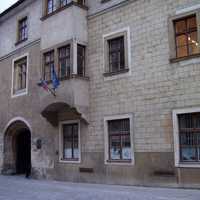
[8, 29]
[65, 25]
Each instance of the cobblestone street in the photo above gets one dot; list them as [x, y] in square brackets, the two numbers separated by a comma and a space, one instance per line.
[19, 188]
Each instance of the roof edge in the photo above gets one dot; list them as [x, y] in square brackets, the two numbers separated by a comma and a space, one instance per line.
[15, 5]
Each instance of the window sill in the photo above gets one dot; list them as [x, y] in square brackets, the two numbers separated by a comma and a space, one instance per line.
[20, 41]
[175, 60]
[72, 161]
[63, 8]
[19, 93]
[188, 165]
[107, 74]
[120, 162]
[72, 76]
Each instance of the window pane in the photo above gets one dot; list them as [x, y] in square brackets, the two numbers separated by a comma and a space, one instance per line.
[180, 26]
[181, 40]
[81, 60]
[191, 23]
[115, 143]
[126, 147]
[193, 49]
[188, 154]
[182, 51]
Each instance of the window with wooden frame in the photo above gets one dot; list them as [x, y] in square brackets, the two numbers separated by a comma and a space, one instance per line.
[189, 137]
[119, 140]
[64, 62]
[70, 141]
[23, 29]
[186, 36]
[50, 6]
[117, 52]
[20, 76]
[80, 60]
[48, 60]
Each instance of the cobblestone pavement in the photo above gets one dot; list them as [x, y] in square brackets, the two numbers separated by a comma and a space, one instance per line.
[19, 188]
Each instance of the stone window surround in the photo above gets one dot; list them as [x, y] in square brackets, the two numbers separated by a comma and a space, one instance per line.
[73, 56]
[175, 114]
[61, 141]
[24, 91]
[106, 142]
[121, 32]
[26, 15]
[172, 43]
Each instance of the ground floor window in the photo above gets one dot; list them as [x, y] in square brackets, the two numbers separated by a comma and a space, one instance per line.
[189, 134]
[186, 125]
[69, 141]
[119, 139]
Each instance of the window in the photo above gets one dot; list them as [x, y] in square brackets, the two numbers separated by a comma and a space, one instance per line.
[19, 85]
[80, 60]
[64, 61]
[189, 134]
[81, 2]
[63, 3]
[69, 141]
[119, 135]
[50, 6]
[48, 65]
[22, 30]
[186, 36]
[117, 52]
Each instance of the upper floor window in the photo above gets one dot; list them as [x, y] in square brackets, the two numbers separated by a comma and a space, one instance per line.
[186, 36]
[80, 60]
[19, 84]
[117, 52]
[22, 29]
[48, 65]
[53, 5]
[64, 61]
[50, 6]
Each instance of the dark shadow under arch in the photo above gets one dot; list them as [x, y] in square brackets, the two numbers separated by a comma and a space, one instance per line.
[17, 149]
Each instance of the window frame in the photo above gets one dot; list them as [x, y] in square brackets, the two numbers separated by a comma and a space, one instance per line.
[19, 40]
[172, 35]
[67, 46]
[45, 64]
[21, 92]
[61, 160]
[176, 134]
[106, 140]
[124, 32]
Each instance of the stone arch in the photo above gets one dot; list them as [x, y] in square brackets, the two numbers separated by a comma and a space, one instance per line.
[17, 135]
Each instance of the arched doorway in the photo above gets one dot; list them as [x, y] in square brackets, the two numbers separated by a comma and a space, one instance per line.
[17, 149]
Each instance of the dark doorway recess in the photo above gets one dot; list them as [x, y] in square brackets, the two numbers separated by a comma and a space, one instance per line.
[23, 152]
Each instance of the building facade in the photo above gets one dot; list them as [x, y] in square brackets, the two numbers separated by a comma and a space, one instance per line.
[127, 109]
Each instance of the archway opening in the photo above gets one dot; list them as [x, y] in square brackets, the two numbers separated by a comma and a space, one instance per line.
[17, 149]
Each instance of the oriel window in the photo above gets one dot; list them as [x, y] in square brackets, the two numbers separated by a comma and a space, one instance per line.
[80, 60]
[186, 36]
[22, 29]
[48, 65]
[64, 61]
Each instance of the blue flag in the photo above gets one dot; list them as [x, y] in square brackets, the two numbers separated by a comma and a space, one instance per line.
[54, 78]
